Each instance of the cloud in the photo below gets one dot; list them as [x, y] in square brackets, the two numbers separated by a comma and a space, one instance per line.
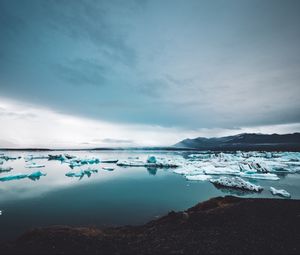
[187, 65]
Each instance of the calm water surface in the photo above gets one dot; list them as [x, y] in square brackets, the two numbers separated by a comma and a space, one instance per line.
[132, 195]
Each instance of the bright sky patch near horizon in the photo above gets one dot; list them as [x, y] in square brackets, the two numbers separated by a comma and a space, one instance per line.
[146, 73]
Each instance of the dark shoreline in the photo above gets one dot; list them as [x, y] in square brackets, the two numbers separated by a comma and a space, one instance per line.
[222, 225]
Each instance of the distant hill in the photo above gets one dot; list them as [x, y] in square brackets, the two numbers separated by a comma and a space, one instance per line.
[289, 142]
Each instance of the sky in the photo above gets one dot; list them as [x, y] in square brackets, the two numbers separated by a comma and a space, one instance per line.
[144, 73]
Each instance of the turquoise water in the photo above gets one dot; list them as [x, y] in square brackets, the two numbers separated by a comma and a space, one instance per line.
[126, 195]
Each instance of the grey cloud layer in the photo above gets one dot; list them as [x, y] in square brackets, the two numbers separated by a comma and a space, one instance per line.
[170, 63]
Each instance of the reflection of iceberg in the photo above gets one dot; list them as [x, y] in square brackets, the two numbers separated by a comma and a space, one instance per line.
[5, 169]
[236, 183]
[88, 172]
[280, 192]
[152, 170]
[34, 176]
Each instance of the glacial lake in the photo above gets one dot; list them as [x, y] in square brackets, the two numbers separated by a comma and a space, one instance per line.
[122, 196]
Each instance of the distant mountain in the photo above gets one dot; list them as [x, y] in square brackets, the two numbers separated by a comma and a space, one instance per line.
[244, 142]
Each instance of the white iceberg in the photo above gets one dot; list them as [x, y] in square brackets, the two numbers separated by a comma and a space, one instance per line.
[280, 192]
[198, 177]
[261, 176]
[236, 183]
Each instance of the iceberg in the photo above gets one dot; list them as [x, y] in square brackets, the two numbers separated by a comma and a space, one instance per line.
[280, 192]
[6, 158]
[151, 159]
[88, 172]
[13, 177]
[34, 165]
[143, 164]
[108, 168]
[198, 177]
[33, 176]
[59, 157]
[31, 157]
[109, 161]
[5, 169]
[211, 170]
[261, 176]
[36, 175]
[236, 183]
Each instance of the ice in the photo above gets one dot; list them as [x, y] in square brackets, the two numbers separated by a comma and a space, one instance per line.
[33, 176]
[139, 163]
[254, 175]
[109, 161]
[5, 169]
[36, 175]
[220, 171]
[108, 168]
[59, 157]
[13, 177]
[280, 192]
[198, 177]
[77, 162]
[88, 172]
[236, 183]
[6, 158]
[34, 165]
[31, 157]
[151, 159]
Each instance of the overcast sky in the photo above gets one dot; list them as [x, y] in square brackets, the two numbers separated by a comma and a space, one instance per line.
[122, 73]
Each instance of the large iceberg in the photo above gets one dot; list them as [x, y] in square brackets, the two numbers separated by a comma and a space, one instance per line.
[34, 165]
[236, 183]
[280, 192]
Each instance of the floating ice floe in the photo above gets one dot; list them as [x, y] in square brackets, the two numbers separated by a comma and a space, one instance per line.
[31, 157]
[280, 192]
[198, 177]
[79, 162]
[88, 172]
[59, 157]
[34, 165]
[220, 171]
[34, 176]
[109, 161]
[5, 169]
[261, 176]
[9, 157]
[108, 168]
[145, 164]
[236, 183]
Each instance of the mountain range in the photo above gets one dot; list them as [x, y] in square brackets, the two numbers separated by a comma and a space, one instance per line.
[290, 142]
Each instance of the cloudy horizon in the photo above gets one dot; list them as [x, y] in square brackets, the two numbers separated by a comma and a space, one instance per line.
[146, 73]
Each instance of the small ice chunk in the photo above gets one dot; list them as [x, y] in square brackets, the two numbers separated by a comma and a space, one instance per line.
[109, 161]
[57, 157]
[236, 183]
[13, 177]
[280, 192]
[36, 175]
[151, 159]
[108, 168]
[5, 169]
[198, 177]
[88, 172]
[34, 165]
